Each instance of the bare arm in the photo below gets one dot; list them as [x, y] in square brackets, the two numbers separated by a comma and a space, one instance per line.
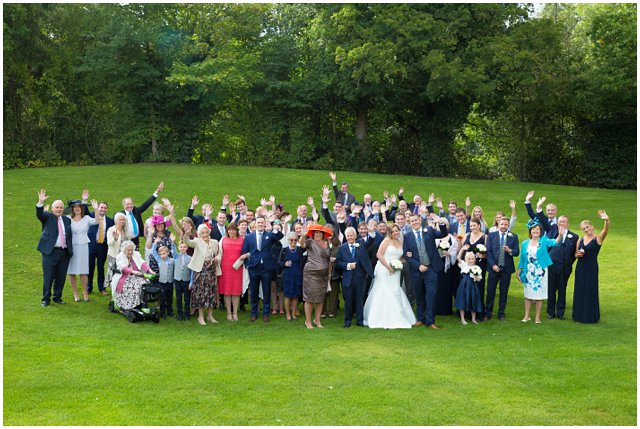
[605, 229]
[380, 255]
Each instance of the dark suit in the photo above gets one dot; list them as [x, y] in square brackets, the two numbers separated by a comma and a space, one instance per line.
[341, 197]
[198, 220]
[454, 228]
[373, 244]
[563, 257]
[506, 269]
[55, 260]
[550, 229]
[424, 284]
[137, 214]
[98, 251]
[261, 265]
[353, 281]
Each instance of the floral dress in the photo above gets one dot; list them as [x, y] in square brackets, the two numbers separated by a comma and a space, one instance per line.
[536, 277]
[131, 291]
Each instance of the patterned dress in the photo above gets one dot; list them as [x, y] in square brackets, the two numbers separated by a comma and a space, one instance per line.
[204, 289]
[131, 290]
[536, 277]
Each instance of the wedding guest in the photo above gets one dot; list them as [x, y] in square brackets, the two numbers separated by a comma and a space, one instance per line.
[243, 231]
[460, 227]
[500, 215]
[230, 282]
[468, 296]
[79, 262]
[477, 213]
[476, 242]
[181, 280]
[277, 297]
[160, 235]
[185, 222]
[448, 249]
[157, 210]
[563, 257]
[452, 206]
[165, 261]
[127, 283]
[502, 246]
[405, 277]
[98, 246]
[316, 270]
[134, 214]
[586, 306]
[205, 264]
[343, 194]
[292, 263]
[332, 299]
[116, 235]
[532, 270]
[56, 247]
[549, 223]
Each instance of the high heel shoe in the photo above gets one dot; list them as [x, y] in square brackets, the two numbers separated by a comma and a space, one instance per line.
[235, 317]
[309, 326]
[319, 325]
[212, 320]
[229, 317]
[202, 322]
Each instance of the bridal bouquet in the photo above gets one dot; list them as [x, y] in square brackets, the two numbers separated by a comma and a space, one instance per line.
[481, 249]
[443, 246]
[396, 264]
[476, 273]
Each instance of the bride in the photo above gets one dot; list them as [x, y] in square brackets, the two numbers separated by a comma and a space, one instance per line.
[387, 305]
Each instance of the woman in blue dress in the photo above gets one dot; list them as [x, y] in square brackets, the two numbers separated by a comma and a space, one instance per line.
[291, 263]
[475, 241]
[532, 269]
[467, 295]
[586, 306]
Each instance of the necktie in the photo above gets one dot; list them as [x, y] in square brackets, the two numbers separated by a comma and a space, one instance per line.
[501, 255]
[564, 236]
[63, 241]
[259, 240]
[101, 233]
[419, 236]
[223, 232]
[353, 251]
[134, 224]
[460, 229]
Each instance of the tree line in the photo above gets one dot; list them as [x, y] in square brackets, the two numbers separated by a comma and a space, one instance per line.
[449, 90]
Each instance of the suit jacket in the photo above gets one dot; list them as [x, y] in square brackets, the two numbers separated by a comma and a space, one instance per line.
[542, 254]
[137, 213]
[454, 228]
[49, 234]
[550, 230]
[564, 255]
[493, 250]
[373, 246]
[216, 234]
[363, 263]
[265, 254]
[340, 197]
[93, 230]
[410, 245]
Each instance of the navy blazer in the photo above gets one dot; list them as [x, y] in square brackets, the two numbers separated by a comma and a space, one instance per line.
[93, 230]
[340, 197]
[137, 213]
[49, 234]
[265, 254]
[363, 263]
[493, 250]
[564, 255]
[550, 230]
[410, 244]
[454, 227]
[373, 244]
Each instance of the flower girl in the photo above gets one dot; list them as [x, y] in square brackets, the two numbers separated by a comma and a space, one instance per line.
[468, 296]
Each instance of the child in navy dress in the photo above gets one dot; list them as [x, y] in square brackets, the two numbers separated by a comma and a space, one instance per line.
[468, 295]
[291, 263]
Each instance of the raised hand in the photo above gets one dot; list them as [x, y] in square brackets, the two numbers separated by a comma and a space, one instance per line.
[356, 209]
[439, 203]
[232, 208]
[206, 209]
[94, 204]
[263, 202]
[383, 208]
[42, 196]
[172, 237]
[115, 234]
[287, 218]
[366, 211]
[333, 176]
[325, 198]
[46, 208]
[512, 204]
[310, 201]
[167, 204]
[194, 201]
[529, 196]
[160, 187]
[432, 198]
[393, 199]
[401, 191]
[85, 194]
[467, 201]
[603, 215]
[385, 194]
[225, 200]
[272, 199]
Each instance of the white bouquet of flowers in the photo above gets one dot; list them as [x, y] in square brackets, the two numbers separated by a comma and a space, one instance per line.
[476, 273]
[443, 246]
[481, 248]
[396, 265]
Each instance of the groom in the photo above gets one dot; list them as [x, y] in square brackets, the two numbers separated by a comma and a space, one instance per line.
[420, 252]
[355, 264]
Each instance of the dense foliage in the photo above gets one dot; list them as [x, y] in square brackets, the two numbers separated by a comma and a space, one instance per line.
[467, 90]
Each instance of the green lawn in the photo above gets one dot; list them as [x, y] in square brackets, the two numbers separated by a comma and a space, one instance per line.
[78, 364]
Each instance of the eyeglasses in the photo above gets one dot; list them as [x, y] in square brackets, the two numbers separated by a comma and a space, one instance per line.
[293, 241]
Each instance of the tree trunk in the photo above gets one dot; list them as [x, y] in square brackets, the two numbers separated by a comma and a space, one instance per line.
[362, 111]
[154, 146]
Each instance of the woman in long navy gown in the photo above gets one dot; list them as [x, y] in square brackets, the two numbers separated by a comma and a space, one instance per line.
[586, 306]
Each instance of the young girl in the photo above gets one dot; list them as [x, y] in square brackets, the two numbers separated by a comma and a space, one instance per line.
[468, 297]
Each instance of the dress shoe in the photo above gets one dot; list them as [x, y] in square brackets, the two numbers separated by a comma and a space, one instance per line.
[265, 319]
[360, 324]
[526, 320]
[502, 318]
[418, 323]
[434, 326]
[45, 303]
[486, 318]
[308, 325]
[179, 316]
[347, 325]
[550, 317]
[59, 301]
[560, 317]
[104, 292]
[253, 319]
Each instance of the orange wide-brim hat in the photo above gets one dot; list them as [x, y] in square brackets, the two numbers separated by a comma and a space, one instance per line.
[328, 233]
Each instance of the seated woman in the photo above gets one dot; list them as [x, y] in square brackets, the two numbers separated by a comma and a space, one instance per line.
[127, 283]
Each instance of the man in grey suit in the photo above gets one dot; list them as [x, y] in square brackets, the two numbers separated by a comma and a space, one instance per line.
[343, 194]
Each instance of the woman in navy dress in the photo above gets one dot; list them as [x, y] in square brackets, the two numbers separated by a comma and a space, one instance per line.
[586, 307]
[291, 263]
[467, 295]
[475, 241]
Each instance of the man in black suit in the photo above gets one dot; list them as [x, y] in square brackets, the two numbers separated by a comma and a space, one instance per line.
[134, 214]
[502, 246]
[56, 248]
[98, 247]
[343, 194]
[549, 222]
[374, 239]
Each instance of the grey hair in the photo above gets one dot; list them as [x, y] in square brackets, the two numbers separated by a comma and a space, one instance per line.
[126, 244]
[202, 227]
[291, 235]
[352, 229]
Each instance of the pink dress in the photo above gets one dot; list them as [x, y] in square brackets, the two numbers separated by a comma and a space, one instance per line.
[230, 282]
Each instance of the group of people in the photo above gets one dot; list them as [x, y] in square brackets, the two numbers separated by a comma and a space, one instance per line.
[385, 256]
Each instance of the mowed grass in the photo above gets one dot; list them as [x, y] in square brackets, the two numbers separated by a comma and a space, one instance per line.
[78, 364]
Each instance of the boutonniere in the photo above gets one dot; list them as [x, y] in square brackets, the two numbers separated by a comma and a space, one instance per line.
[509, 234]
[425, 229]
[267, 237]
[569, 235]
[357, 245]
[330, 246]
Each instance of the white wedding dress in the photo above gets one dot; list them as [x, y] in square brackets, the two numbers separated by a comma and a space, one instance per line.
[387, 305]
